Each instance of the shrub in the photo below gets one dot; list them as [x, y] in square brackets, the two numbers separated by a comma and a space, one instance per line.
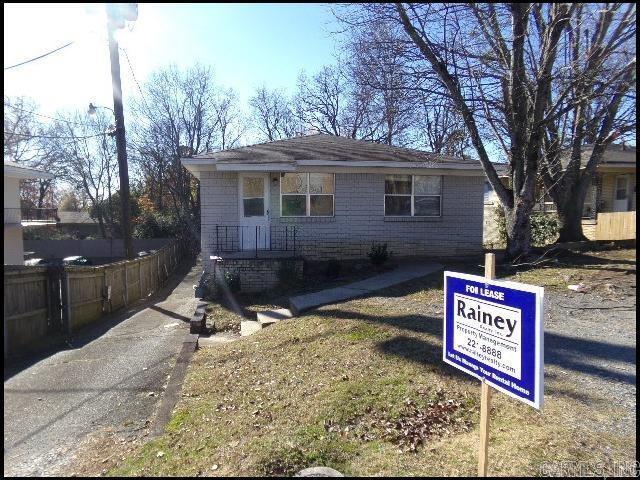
[287, 275]
[332, 268]
[545, 228]
[232, 280]
[156, 225]
[378, 254]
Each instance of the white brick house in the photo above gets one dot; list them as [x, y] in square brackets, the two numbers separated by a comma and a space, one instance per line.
[322, 196]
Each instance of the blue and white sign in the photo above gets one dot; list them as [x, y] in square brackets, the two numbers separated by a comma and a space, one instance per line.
[493, 331]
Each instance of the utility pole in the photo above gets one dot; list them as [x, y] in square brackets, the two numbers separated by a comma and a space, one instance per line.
[116, 15]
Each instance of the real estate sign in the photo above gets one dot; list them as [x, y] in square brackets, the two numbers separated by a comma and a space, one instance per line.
[493, 331]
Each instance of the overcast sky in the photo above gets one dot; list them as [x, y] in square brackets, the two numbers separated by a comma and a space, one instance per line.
[246, 44]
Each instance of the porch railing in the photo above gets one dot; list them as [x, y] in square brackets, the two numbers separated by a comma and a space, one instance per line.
[240, 238]
[18, 215]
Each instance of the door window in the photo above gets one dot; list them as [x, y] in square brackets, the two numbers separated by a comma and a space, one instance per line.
[253, 196]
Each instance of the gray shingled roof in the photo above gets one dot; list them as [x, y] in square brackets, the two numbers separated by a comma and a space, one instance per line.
[75, 217]
[614, 154]
[321, 146]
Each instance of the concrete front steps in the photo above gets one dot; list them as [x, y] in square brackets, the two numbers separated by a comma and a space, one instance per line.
[264, 319]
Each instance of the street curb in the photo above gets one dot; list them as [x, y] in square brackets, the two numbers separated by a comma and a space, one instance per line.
[176, 379]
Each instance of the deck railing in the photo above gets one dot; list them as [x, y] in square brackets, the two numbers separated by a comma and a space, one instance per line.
[18, 215]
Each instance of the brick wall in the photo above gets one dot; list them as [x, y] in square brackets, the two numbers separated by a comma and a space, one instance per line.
[257, 274]
[359, 218]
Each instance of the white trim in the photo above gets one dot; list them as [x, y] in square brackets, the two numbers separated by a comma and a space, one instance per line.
[389, 164]
[308, 197]
[255, 167]
[196, 165]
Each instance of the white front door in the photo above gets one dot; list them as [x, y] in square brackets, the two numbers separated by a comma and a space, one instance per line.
[254, 232]
[621, 194]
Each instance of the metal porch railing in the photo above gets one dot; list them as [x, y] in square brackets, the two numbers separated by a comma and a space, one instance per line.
[239, 238]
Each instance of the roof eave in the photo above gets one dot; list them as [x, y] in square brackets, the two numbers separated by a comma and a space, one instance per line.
[25, 173]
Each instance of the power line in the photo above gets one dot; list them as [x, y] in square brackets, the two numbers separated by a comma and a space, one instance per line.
[144, 99]
[33, 112]
[55, 138]
[39, 57]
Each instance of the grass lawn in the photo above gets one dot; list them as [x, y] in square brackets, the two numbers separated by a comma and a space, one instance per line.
[361, 387]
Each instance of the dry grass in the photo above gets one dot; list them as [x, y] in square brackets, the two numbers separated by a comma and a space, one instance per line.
[318, 391]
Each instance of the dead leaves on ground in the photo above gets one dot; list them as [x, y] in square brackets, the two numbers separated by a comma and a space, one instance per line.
[410, 429]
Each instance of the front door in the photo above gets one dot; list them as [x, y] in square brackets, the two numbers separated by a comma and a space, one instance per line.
[254, 232]
[621, 199]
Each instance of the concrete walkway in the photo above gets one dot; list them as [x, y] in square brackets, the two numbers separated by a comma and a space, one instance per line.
[402, 274]
[110, 377]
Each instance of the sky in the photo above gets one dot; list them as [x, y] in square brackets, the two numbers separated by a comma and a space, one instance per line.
[247, 45]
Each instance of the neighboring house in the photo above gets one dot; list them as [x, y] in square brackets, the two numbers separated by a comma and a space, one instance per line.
[78, 224]
[321, 197]
[16, 217]
[612, 191]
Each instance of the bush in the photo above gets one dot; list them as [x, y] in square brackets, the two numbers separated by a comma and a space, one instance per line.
[156, 225]
[287, 275]
[232, 281]
[378, 254]
[545, 228]
[332, 268]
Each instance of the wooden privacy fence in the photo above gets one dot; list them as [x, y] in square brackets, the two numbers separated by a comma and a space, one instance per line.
[616, 226]
[44, 301]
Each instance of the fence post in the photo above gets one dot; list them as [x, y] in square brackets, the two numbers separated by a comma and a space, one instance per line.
[126, 284]
[66, 302]
[140, 277]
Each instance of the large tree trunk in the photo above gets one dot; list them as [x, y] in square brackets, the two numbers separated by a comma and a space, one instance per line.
[518, 224]
[570, 212]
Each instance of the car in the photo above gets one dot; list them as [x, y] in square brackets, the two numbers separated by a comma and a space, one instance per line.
[77, 260]
[144, 253]
[35, 262]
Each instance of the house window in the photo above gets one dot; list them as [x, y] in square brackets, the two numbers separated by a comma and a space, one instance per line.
[412, 196]
[588, 209]
[306, 194]
[488, 192]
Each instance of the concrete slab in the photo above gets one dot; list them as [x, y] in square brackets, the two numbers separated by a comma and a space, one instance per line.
[217, 339]
[273, 316]
[402, 274]
[249, 327]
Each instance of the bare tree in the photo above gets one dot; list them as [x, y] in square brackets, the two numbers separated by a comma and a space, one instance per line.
[440, 128]
[181, 113]
[594, 104]
[25, 142]
[273, 114]
[375, 61]
[86, 154]
[498, 66]
[330, 103]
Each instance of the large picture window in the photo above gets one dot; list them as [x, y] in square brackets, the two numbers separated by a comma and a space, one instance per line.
[306, 194]
[412, 196]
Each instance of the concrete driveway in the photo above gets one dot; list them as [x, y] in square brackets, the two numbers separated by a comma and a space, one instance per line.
[111, 376]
